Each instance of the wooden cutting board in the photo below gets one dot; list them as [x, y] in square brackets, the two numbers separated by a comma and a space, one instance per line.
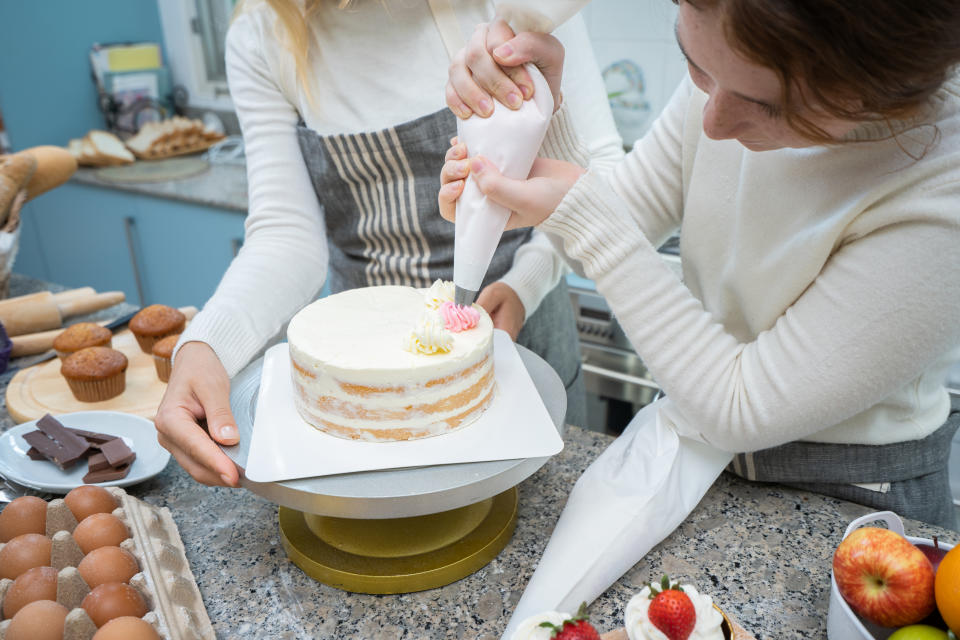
[38, 390]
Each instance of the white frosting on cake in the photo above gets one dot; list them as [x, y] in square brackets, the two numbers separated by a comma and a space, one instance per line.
[708, 625]
[355, 377]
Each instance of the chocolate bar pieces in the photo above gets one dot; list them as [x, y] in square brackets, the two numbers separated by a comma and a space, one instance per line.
[56, 443]
[108, 474]
[108, 456]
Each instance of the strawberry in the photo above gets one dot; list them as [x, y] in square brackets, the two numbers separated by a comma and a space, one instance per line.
[672, 611]
[577, 628]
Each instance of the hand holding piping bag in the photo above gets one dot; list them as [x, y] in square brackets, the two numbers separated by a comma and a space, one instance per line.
[508, 137]
[497, 61]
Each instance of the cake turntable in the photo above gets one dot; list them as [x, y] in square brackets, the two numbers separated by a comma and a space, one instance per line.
[396, 530]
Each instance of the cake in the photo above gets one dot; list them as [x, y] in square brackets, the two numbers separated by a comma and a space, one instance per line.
[81, 335]
[391, 363]
[95, 373]
[155, 322]
[162, 352]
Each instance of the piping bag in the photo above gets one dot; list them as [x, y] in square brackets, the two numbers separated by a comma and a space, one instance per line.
[630, 498]
[510, 140]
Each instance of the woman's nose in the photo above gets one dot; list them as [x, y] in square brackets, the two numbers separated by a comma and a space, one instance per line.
[723, 116]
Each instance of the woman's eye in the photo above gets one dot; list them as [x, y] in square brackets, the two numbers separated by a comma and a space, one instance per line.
[770, 110]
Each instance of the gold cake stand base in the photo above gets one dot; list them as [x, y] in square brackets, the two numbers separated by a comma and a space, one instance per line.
[399, 555]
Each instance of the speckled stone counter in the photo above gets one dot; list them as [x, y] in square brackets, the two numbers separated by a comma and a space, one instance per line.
[220, 185]
[762, 551]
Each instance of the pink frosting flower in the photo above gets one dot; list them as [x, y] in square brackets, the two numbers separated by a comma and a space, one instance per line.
[458, 318]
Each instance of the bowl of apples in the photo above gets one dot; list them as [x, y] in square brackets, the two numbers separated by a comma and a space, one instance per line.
[886, 585]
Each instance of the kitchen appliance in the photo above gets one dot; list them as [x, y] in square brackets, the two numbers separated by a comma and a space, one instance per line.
[396, 530]
[617, 382]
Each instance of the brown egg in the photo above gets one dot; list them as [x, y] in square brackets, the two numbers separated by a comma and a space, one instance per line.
[107, 564]
[39, 583]
[40, 620]
[27, 514]
[89, 499]
[100, 530]
[127, 628]
[112, 600]
[24, 552]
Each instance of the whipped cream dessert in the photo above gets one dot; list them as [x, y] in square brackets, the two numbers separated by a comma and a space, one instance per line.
[391, 363]
[708, 625]
[530, 628]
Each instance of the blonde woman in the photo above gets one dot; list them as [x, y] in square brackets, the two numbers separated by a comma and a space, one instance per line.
[343, 115]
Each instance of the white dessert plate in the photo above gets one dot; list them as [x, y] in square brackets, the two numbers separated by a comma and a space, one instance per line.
[138, 433]
[285, 447]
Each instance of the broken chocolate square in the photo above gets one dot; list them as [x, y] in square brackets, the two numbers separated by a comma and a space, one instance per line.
[117, 452]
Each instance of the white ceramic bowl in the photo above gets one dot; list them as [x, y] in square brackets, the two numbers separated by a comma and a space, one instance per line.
[842, 622]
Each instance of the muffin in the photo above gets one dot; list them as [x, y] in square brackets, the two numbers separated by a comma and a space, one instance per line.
[95, 373]
[162, 352]
[155, 322]
[80, 336]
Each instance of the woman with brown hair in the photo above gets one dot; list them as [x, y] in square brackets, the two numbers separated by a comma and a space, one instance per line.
[342, 112]
[811, 161]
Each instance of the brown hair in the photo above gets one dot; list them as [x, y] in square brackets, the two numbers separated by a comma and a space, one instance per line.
[877, 60]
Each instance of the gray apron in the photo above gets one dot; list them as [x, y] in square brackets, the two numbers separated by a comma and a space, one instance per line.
[378, 191]
[913, 475]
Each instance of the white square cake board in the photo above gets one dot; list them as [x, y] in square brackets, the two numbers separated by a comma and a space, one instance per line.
[285, 447]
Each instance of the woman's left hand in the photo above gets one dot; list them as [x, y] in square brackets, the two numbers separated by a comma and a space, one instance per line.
[504, 306]
[531, 201]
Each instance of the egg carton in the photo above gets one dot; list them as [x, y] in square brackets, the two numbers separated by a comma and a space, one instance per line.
[165, 580]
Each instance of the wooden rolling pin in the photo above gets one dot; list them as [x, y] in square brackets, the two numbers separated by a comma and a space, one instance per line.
[32, 343]
[43, 310]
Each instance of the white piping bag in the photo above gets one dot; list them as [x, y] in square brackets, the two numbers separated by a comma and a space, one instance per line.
[510, 139]
[633, 496]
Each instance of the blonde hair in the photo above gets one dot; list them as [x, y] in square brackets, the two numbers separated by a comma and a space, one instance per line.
[293, 31]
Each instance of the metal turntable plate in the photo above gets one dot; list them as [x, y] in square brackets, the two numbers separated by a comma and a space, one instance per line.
[393, 493]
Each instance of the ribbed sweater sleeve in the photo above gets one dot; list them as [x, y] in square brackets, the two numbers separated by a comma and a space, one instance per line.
[879, 313]
[283, 262]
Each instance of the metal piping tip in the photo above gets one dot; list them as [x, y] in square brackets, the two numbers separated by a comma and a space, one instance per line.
[464, 297]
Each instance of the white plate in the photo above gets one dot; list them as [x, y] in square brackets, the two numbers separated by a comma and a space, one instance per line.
[284, 447]
[138, 433]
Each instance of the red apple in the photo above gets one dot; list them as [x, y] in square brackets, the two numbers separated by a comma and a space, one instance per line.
[883, 577]
[933, 552]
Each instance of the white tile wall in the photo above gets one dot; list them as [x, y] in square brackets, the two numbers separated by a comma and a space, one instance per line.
[641, 31]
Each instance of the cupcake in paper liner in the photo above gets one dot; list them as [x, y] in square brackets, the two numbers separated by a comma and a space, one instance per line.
[95, 373]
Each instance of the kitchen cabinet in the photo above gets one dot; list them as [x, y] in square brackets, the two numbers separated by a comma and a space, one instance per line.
[155, 250]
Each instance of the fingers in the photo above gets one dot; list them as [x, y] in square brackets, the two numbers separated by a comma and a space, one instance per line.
[498, 34]
[463, 93]
[541, 49]
[452, 179]
[198, 387]
[179, 433]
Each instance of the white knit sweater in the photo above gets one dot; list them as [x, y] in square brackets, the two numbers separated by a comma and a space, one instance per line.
[821, 286]
[374, 65]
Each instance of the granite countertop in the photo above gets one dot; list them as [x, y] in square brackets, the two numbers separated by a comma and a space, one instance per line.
[762, 551]
[217, 184]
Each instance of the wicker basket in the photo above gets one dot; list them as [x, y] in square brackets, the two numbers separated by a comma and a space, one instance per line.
[9, 242]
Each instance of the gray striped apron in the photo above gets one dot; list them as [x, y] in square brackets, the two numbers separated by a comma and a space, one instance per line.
[378, 191]
[909, 478]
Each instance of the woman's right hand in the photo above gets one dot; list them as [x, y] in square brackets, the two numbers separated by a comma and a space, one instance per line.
[491, 64]
[199, 388]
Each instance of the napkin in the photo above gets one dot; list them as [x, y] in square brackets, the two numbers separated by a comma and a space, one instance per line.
[632, 497]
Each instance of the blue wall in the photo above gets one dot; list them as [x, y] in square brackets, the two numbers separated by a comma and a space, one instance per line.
[46, 92]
